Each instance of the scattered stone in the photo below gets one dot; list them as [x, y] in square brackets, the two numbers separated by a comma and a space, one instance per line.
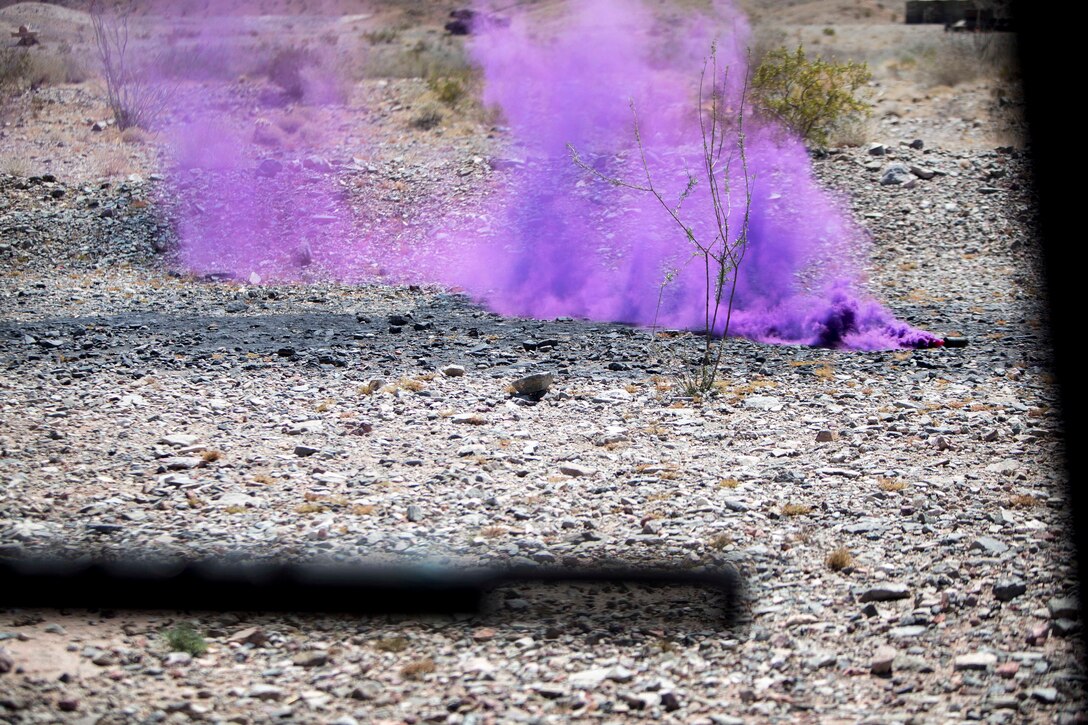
[1045, 695]
[7, 663]
[824, 436]
[881, 664]
[877, 149]
[575, 470]
[922, 172]
[415, 513]
[178, 659]
[315, 658]
[588, 679]
[68, 704]
[367, 690]
[895, 174]
[763, 402]
[453, 371]
[1063, 608]
[974, 661]
[236, 306]
[266, 692]
[250, 635]
[303, 451]
[989, 545]
[535, 384]
[1008, 589]
[885, 593]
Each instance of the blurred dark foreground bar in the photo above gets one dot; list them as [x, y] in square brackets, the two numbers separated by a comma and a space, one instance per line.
[362, 590]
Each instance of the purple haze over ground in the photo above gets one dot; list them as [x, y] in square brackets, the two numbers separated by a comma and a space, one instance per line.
[551, 239]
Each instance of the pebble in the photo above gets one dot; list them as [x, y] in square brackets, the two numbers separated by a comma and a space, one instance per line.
[881, 664]
[1063, 608]
[266, 692]
[989, 546]
[453, 371]
[885, 593]
[575, 470]
[975, 661]
[895, 174]
[1008, 589]
[535, 384]
[310, 659]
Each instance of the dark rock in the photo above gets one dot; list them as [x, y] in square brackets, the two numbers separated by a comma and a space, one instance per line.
[1063, 608]
[895, 174]
[314, 658]
[989, 545]
[885, 593]
[1009, 589]
[301, 450]
[269, 168]
[236, 306]
[535, 384]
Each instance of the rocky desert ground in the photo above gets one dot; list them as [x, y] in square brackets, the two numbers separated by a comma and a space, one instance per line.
[898, 517]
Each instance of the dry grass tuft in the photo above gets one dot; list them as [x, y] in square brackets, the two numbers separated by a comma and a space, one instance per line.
[796, 509]
[211, 456]
[417, 669]
[839, 559]
[1024, 501]
[891, 484]
[720, 541]
[391, 644]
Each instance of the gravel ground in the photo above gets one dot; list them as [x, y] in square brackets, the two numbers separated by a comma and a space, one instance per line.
[898, 516]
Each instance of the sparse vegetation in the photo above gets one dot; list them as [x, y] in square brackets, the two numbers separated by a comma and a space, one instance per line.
[796, 509]
[185, 637]
[417, 669]
[891, 484]
[133, 97]
[391, 644]
[427, 118]
[722, 130]
[839, 559]
[1023, 500]
[812, 97]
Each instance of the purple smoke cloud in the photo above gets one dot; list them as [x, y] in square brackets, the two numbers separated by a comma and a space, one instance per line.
[551, 239]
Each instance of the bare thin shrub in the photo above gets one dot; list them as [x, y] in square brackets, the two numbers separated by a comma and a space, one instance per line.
[722, 253]
[965, 57]
[134, 99]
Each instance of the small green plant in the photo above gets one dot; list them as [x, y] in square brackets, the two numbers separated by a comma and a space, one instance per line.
[812, 97]
[184, 637]
[447, 90]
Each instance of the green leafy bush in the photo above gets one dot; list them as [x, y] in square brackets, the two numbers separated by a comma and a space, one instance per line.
[185, 638]
[810, 96]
